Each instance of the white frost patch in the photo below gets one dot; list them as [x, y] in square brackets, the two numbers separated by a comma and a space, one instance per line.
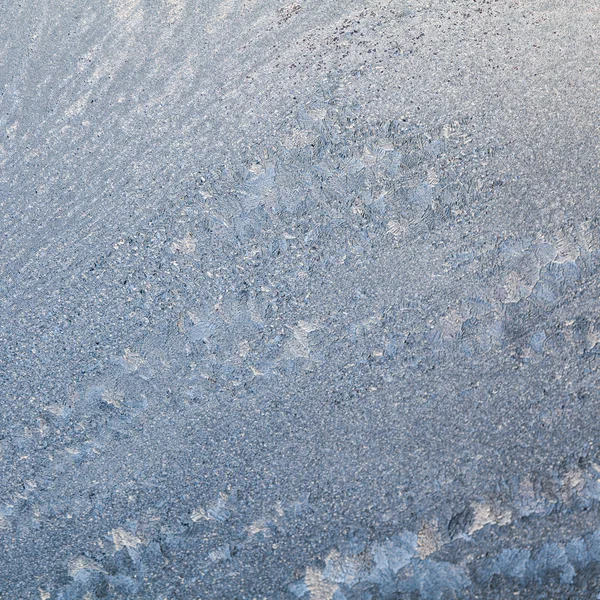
[382, 564]
[485, 514]
[132, 361]
[113, 397]
[319, 588]
[217, 511]
[78, 106]
[573, 483]
[516, 288]
[124, 539]
[176, 10]
[397, 227]
[125, 9]
[299, 139]
[223, 12]
[299, 346]
[341, 569]
[429, 539]
[186, 245]
[432, 177]
[83, 563]
[592, 338]
[260, 526]
[567, 249]
[451, 324]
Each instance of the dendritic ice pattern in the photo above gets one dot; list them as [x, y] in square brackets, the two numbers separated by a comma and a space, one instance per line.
[299, 300]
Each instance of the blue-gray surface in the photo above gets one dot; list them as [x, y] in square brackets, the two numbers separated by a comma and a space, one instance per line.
[299, 301]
